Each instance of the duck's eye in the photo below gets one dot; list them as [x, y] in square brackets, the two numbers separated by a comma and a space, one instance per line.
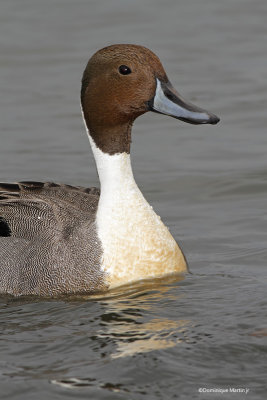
[124, 70]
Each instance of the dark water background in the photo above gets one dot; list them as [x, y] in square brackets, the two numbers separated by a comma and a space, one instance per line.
[165, 339]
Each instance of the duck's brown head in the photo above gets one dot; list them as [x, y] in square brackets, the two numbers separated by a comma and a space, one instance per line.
[120, 83]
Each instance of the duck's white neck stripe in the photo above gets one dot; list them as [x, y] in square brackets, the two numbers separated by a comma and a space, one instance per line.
[114, 171]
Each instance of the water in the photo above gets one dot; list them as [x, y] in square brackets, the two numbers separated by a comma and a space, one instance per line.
[165, 339]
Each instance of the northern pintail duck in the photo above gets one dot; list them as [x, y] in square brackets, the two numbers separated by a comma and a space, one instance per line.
[58, 238]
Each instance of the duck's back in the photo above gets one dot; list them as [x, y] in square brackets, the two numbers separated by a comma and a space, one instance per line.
[48, 239]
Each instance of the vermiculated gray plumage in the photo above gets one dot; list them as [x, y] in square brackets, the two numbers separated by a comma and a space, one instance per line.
[48, 239]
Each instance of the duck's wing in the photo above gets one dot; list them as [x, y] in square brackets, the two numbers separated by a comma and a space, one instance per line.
[35, 209]
[48, 240]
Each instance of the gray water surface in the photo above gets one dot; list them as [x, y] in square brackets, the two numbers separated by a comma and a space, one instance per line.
[164, 339]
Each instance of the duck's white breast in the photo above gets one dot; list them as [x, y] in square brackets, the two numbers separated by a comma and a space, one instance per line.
[136, 244]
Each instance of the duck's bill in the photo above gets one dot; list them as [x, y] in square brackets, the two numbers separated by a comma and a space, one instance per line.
[168, 101]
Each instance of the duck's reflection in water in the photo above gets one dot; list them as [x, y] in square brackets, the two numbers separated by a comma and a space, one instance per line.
[135, 318]
[154, 335]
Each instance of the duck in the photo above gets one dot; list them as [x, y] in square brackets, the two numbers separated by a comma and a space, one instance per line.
[58, 239]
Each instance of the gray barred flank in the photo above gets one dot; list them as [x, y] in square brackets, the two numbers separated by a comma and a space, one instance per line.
[48, 239]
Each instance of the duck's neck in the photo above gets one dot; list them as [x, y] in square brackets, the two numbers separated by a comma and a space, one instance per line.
[114, 171]
[135, 242]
